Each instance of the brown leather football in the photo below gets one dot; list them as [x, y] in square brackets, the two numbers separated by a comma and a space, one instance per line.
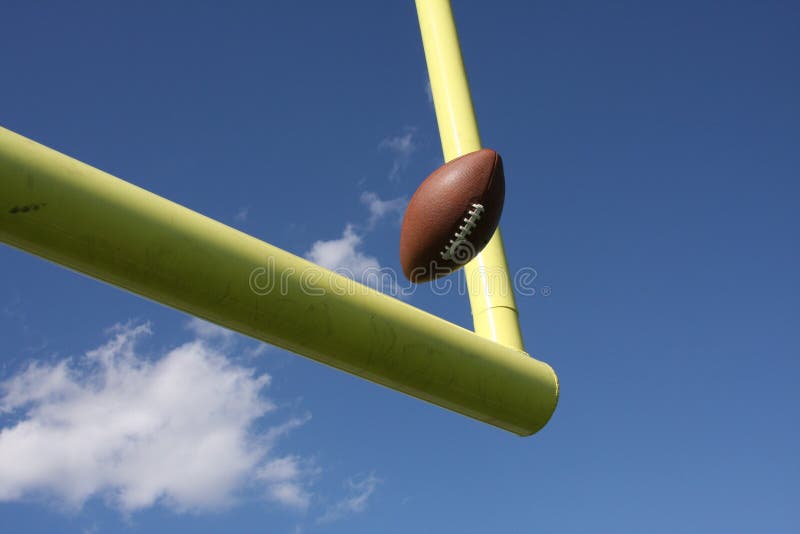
[452, 215]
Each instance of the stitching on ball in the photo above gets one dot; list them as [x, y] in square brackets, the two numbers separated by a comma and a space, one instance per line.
[470, 221]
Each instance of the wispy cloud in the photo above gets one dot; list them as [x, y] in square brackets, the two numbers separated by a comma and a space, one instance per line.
[358, 490]
[379, 208]
[401, 147]
[343, 254]
[242, 214]
[224, 339]
[176, 430]
[287, 478]
[208, 331]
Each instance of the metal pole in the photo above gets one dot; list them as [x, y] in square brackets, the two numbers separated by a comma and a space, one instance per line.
[494, 311]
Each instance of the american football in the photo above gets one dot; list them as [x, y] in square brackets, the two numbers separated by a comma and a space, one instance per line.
[452, 216]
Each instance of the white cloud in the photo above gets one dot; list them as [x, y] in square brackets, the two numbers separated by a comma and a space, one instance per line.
[286, 477]
[209, 331]
[378, 208]
[226, 339]
[176, 430]
[343, 255]
[358, 493]
[401, 146]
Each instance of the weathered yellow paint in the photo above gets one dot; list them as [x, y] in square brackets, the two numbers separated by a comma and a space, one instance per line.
[494, 311]
[68, 212]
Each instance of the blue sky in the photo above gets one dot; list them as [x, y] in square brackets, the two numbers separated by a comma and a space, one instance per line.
[652, 165]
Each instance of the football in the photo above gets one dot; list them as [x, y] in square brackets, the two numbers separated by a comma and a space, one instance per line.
[452, 216]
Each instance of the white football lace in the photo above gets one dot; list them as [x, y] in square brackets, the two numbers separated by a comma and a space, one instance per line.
[473, 216]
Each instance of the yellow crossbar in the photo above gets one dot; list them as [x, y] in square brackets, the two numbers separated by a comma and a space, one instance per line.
[73, 214]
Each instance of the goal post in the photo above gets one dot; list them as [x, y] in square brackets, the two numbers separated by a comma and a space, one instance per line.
[494, 311]
[82, 218]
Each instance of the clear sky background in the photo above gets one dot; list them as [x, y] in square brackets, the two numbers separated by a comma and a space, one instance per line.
[651, 153]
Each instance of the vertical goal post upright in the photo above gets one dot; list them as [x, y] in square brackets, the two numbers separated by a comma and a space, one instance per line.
[82, 218]
[491, 293]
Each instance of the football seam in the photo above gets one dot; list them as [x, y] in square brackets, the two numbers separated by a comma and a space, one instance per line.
[464, 231]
